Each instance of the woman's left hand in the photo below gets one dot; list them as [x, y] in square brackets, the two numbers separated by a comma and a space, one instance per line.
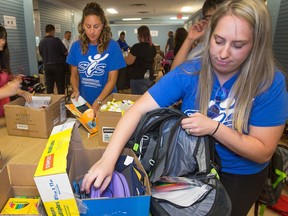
[27, 95]
[96, 108]
[199, 125]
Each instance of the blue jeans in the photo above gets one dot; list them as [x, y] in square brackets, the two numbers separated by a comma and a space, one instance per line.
[139, 86]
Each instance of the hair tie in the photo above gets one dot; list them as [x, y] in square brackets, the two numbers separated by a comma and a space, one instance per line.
[216, 129]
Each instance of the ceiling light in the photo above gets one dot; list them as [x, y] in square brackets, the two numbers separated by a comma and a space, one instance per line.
[186, 9]
[173, 18]
[131, 19]
[112, 11]
[185, 18]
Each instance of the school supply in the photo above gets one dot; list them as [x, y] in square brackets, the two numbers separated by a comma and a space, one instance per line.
[118, 187]
[83, 112]
[277, 176]
[32, 84]
[21, 206]
[165, 149]
[39, 102]
[127, 180]
[117, 106]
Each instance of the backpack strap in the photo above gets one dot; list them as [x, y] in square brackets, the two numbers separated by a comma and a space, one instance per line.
[281, 176]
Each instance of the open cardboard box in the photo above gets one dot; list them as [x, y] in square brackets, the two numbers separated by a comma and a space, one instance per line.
[34, 122]
[17, 180]
[82, 160]
[64, 152]
[107, 120]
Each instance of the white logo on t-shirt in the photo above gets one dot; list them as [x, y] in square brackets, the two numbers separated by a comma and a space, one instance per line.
[94, 67]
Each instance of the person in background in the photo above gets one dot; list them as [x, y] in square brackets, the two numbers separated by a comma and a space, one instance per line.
[180, 36]
[122, 43]
[8, 89]
[235, 93]
[53, 53]
[192, 45]
[122, 80]
[95, 58]
[67, 39]
[140, 61]
[170, 42]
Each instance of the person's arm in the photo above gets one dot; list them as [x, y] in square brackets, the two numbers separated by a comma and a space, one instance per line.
[257, 146]
[108, 88]
[74, 80]
[10, 88]
[102, 169]
[25, 94]
[196, 31]
[166, 46]
[130, 59]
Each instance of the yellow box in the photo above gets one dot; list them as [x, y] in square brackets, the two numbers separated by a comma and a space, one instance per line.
[21, 206]
[51, 177]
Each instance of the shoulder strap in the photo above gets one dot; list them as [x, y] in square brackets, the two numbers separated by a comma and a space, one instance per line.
[148, 122]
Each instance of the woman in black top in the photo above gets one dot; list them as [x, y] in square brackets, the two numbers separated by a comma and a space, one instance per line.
[140, 61]
[180, 36]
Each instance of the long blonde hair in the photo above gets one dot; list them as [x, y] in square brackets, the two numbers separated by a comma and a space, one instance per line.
[256, 73]
[94, 9]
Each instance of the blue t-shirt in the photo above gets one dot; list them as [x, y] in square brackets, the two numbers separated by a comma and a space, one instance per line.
[123, 45]
[94, 67]
[269, 108]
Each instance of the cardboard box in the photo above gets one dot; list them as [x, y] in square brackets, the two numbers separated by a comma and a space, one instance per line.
[107, 120]
[34, 122]
[64, 151]
[51, 176]
[1, 161]
[82, 160]
[17, 180]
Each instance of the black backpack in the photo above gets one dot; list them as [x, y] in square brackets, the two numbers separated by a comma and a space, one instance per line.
[277, 177]
[165, 149]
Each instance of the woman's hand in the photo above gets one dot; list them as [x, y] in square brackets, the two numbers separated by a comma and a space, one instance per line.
[25, 94]
[96, 107]
[13, 86]
[100, 175]
[197, 30]
[75, 94]
[199, 125]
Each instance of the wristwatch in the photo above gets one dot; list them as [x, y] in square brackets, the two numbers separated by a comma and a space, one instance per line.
[99, 102]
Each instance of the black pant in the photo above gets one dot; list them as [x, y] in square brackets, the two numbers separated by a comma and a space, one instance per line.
[243, 190]
[55, 73]
[67, 75]
[122, 79]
